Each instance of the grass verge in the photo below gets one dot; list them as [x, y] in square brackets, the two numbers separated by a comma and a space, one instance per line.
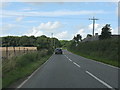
[100, 59]
[22, 66]
[106, 51]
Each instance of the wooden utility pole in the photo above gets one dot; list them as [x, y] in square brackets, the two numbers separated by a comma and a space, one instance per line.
[52, 40]
[93, 23]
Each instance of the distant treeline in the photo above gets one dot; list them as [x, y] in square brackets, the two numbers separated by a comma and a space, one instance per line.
[30, 41]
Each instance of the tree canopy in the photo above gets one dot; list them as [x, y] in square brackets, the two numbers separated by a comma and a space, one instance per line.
[77, 38]
[28, 41]
[106, 32]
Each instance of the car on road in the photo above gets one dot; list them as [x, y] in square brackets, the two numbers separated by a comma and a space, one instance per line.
[58, 51]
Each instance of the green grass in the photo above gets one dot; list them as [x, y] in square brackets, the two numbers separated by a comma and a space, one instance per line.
[111, 62]
[105, 51]
[23, 66]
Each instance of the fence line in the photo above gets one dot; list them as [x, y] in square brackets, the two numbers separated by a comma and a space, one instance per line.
[9, 52]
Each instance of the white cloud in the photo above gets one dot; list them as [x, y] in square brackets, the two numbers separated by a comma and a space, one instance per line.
[62, 35]
[49, 26]
[44, 28]
[84, 30]
[31, 21]
[115, 31]
[7, 27]
[52, 13]
[96, 26]
[3, 4]
[34, 32]
[18, 19]
[27, 9]
[81, 32]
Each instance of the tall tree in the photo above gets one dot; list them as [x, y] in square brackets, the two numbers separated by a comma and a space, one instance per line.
[79, 37]
[75, 38]
[106, 32]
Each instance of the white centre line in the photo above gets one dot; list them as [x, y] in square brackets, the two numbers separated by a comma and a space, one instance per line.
[66, 57]
[76, 64]
[70, 60]
[100, 80]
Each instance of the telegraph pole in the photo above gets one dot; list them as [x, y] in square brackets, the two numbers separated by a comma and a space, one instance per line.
[93, 23]
[52, 40]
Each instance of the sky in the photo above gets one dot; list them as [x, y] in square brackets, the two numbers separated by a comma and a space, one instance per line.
[63, 19]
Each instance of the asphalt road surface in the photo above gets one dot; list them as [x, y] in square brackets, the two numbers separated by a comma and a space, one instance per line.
[72, 71]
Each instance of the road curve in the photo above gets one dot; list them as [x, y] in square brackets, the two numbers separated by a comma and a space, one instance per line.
[72, 71]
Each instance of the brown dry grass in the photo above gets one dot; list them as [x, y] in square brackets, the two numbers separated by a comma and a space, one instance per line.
[17, 48]
[18, 51]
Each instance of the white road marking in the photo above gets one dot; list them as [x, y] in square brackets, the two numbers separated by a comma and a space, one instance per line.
[76, 64]
[70, 60]
[66, 56]
[104, 64]
[100, 62]
[99, 80]
[31, 75]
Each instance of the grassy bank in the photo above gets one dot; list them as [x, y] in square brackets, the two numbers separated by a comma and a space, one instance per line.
[105, 51]
[22, 66]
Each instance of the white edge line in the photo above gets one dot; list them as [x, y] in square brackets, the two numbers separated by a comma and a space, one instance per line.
[32, 74]
[105, 64]
[99, 62]
[99, 80]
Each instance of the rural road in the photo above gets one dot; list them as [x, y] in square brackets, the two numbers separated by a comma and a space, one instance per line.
[72, 71]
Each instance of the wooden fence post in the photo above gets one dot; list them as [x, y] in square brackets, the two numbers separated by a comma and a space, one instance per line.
[24, 49]
[19, 49]
[7, 52]
[14, 50]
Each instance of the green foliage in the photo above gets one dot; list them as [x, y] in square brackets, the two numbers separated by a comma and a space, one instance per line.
[89, 35]
[65, 43]
[10, 40]
[102, 50]
[22, 66]
[77, 38]
[106, 32]
[41, 42]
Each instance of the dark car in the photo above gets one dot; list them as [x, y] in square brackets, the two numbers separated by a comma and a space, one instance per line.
[58, 51]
